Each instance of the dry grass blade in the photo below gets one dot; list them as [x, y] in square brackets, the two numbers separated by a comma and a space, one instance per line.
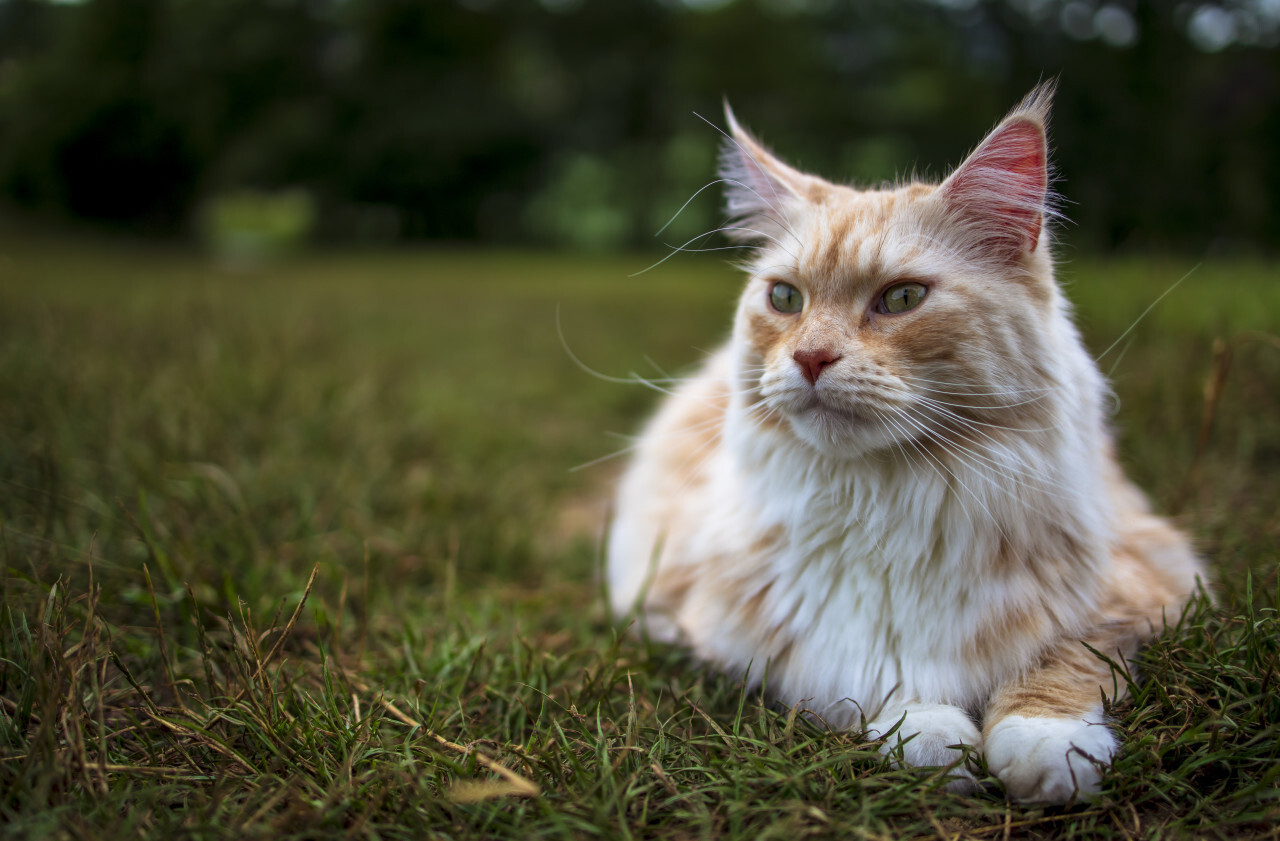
[1214, 387]
[164, 648]
[284, 634]
[471, 791]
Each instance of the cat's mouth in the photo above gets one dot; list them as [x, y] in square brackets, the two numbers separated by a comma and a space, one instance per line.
[831, 411]
[839, 428]
[832, 415]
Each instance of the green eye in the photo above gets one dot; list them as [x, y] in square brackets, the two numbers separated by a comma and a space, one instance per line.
[902, 297]
[785, 298]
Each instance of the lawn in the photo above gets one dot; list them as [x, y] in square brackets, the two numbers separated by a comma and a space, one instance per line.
[304, 551]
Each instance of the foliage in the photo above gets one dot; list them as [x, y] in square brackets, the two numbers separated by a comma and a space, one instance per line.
[247, 226]
[572, 121]
[296, 553]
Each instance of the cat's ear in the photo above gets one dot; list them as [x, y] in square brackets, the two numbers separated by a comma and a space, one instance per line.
[758, 187]
[999, 197]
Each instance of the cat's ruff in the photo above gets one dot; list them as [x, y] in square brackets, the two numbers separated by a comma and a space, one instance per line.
[906, 516]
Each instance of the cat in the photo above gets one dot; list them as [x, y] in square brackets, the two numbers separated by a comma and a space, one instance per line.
[894, 489]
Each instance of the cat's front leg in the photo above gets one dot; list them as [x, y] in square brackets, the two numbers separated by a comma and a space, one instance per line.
[1050, 759]
[1044, 734]
[928, 735]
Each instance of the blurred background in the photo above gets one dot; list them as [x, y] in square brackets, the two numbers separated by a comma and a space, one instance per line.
[573, 124]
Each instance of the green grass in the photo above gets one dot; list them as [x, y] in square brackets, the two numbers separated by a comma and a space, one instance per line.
[185, 451]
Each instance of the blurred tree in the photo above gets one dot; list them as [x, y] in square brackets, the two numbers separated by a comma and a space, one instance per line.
[572, 121]
[81, 132]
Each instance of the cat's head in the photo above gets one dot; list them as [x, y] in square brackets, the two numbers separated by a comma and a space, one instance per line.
[901, 316]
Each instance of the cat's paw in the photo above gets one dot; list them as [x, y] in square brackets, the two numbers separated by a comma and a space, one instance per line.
[927, 736]
[1050, 760]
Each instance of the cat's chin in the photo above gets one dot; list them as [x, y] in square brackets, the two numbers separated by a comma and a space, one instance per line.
[840, 433]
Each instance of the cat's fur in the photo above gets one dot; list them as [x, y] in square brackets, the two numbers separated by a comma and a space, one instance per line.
[912, 517]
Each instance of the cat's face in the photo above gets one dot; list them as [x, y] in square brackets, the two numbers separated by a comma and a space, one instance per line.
[911, 317]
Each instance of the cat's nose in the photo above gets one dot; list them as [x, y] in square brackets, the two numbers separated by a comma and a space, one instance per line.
[812, 362]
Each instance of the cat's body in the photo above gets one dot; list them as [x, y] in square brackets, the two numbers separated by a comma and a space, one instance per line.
[904, 514]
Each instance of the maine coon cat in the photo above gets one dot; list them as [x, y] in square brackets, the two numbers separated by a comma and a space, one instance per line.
[894, 488]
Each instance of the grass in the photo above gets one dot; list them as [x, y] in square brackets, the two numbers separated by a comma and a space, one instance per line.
[299, 553]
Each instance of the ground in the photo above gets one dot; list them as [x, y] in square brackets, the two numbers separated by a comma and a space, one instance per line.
[300, 551]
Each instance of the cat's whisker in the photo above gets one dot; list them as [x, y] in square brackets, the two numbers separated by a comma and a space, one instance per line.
[684, 248]
[756, 163]
[970, 392]
[689, 201]
[638, 439]
[994, 407]
[667, 379]
[681, 249]
[709, 423]
[973, 423]
[991, 392]
[760, 418]
[776, 216]
[1147, 311]
[656, 366]
[758, 233]
[1119, 358]
[925, 433]
[633, 379]
[601, 459]
[940, 464]
[693, 427]
[1038, 482]
[672, 433]
[907, 439]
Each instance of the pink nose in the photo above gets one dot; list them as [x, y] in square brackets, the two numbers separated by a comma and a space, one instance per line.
[812, 362]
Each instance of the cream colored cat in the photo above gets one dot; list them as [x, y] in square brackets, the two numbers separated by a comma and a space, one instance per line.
[894, 487]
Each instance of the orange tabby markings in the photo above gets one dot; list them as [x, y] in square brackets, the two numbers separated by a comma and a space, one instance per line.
[905, 515]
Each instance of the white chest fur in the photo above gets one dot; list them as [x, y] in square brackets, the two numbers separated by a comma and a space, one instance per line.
[846, 585]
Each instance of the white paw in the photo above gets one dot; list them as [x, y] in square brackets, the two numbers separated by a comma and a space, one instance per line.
[1050, 760]
[926, 737]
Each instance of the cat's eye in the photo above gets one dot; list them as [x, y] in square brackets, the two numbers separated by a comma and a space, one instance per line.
[902, 297]
[785, 298]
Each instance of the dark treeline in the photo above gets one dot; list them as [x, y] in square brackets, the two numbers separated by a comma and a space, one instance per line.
[573, 121]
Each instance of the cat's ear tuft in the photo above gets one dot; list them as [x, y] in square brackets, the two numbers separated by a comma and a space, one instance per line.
[999, 197]
[758, 187]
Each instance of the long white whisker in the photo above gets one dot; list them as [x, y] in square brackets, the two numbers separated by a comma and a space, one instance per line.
[1149, 308]
[1119, 358]
[683, 250]
[634, 379]
[777, 219]
[1008, 392]
[759, 169]
[909, 439]
[700, 191]
[679, 249]
[959, 450]
[925, 432]
[973, 423]
[683, 430]
[607, 457]
[1026, 402]
[969, 389]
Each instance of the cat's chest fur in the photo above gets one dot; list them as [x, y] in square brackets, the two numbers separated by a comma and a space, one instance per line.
[841, 584]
